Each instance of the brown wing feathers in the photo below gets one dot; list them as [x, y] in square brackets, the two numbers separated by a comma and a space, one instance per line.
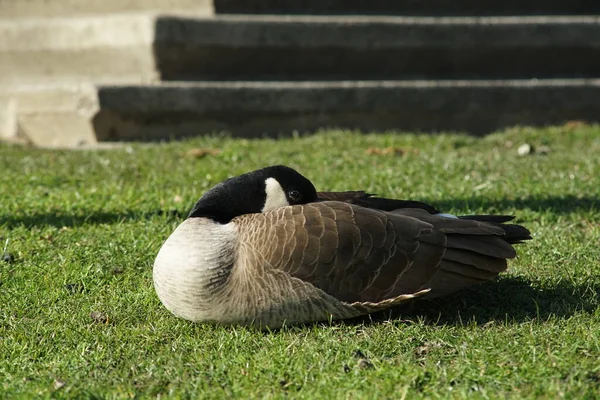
[514, 233]
[476, 249]
[362, 255]
[364, 260]
[351, 253]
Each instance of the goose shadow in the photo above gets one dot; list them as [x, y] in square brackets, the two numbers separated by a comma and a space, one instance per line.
[508, 299]
[558, 204]
[61, 219]
[555, 204]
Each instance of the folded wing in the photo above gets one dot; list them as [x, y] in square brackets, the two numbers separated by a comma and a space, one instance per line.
[369, 259]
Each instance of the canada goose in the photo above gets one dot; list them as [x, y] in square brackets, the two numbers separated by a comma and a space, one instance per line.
[266, 249]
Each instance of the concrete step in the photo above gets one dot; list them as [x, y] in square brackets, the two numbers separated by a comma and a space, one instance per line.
[410, 7]
[145, 47]
[70, 116]
[73, 49]
[51, 115]
[351, 47]
[11, 9]
[62, 8]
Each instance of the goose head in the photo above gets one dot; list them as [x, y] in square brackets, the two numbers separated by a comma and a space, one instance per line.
[254, 192]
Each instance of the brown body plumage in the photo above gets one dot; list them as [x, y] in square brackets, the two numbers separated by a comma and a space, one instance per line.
[325, 260]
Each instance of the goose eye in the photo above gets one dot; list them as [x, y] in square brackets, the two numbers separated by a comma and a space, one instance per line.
[294, 195]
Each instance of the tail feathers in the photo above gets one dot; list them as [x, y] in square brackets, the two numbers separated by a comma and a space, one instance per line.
[493, 246]
[467, 273]
[424, 266]
[477, 248]
[480, 261]
[469, 259]
[485, 234]
[513, 233]
[454, 276]
[516, 233]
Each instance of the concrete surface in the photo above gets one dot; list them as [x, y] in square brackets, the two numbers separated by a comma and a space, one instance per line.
[8, 119]
[74, 73]
[81, 116]
[65, 8]
[75, 49]
[145, 47]
[410, 7]
[48, 8]
[359, 47]
[255, 108]
[364, 32]
[52, 115]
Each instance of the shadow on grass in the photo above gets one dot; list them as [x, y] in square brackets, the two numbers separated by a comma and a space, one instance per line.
[60, 219]
[510, 299]
[554, 204]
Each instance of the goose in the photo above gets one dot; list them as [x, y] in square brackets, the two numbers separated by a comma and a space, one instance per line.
[266, 249]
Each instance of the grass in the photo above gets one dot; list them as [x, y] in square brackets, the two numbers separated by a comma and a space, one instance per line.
[79, 317]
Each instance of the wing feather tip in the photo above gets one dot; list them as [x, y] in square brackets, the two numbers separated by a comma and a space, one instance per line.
[391, 301]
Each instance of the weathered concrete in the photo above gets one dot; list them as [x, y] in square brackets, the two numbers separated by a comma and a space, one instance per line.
[8, 119]
[77, 81]
[52, 115]
[66, 8]
[51, 8]
[80, 116]
[309, 47]
[410, 7]
[141, 48]
[365, 32]
[255, 108]
[74, 49]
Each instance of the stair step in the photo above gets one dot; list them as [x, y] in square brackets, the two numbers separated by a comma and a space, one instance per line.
[74, 49]
[410, 7]
[342, 47]
[233, 47]
[66, 8]
[53, 8]
[83, 115]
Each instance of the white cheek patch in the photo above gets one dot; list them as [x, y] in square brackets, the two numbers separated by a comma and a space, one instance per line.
[275, 195]
[446, 215]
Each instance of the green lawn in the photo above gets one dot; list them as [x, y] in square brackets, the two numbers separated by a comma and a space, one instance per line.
[79, 316]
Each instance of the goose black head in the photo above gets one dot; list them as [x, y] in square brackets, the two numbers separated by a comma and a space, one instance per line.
[254, 192]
